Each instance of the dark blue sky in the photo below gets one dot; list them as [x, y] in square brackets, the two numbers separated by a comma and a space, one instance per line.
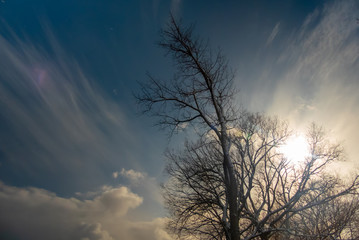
[69, 122]
[114, 40]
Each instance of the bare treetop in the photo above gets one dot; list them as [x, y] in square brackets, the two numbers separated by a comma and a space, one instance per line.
[201, 94]
[202, 89]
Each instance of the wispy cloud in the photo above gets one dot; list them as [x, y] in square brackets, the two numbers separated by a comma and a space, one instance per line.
[175, 7]
[60, 131]
[55, 120]
[102, 217]
[319, 78]
[273, 34]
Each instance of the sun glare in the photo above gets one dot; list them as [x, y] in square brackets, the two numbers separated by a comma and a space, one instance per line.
[295, 149]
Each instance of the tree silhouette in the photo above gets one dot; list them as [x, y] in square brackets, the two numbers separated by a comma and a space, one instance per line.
[233, 183]
[202, 94]
[276, 197]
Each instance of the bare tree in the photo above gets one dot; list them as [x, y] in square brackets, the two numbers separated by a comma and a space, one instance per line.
[200, 94]
[276, 198]
[233, 183]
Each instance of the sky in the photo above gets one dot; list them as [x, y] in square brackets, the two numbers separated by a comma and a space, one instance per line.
[79, 161]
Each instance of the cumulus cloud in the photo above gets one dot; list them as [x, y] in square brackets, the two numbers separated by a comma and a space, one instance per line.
[132, 175]
[151, 230]
[143, 184]
[91, 232]
[33, 213]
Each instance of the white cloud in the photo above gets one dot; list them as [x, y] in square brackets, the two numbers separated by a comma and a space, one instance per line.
[132, 175]
[182, 126]
[33, 213]
[115, 174]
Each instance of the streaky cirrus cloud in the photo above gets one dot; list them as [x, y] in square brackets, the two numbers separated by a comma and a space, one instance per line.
[34, 213]
[273, 34]
[175, 7]
[55, 121]
[315, 75]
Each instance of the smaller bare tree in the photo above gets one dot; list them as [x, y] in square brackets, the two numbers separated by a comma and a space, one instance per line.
[335, 220]
[275, 196]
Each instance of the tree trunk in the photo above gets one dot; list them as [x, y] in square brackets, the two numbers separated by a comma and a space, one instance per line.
[231, 189]
[233, 208]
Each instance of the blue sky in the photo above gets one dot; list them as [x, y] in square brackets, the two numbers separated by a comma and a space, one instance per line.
[74, 152]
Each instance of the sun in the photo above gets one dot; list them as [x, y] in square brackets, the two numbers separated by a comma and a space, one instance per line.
[295, 148]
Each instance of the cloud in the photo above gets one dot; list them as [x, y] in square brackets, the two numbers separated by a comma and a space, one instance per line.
[273, 34]
[317, 74]
[34, 213]
[133, 176]
[61, 131]
[91, 232]
[143, 184]
[55, 121]
[151, 231]
[115, 174]
[175, 7]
